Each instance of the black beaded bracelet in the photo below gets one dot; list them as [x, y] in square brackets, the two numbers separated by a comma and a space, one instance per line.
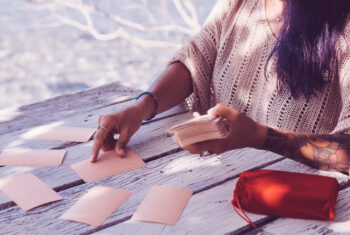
[155, 102]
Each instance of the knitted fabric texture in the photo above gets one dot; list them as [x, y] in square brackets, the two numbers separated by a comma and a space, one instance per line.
[226, 60]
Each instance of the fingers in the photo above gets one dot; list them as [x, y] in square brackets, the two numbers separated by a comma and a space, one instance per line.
[193, 149]
[97, 144]
[101, 136]
[210, 146]
[221, 110]
[175, 140]
[109, 142]
[210, 111]
[196, 114]
[197, 148]
[99, 119]
[123, 140]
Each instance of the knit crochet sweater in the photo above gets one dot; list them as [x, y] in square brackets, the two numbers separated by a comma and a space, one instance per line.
[226, 60]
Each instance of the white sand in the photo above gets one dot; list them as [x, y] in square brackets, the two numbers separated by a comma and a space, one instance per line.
[40, 57]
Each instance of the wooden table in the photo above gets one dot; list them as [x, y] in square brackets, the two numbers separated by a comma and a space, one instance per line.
[212, 177]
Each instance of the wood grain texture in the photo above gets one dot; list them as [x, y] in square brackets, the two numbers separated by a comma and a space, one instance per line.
[179, 169]
[210, 211]
[87, 119]
[212, 177]
[150, 142]
[65, 106]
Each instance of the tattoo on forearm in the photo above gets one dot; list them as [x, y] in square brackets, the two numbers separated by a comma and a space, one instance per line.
[325, 152]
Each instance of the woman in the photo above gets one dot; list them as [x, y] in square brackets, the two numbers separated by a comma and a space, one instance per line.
[280, 71]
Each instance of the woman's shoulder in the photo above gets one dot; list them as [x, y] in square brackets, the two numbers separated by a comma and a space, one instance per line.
[229, 7]
[222, 8]
[343, 53]
[225, 12]
[344, 40]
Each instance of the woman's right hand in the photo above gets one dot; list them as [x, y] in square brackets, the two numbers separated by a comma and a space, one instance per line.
[125, 123]
[171, 88]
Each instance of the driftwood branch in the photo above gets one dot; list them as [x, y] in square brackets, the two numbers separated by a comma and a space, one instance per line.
[125, 28]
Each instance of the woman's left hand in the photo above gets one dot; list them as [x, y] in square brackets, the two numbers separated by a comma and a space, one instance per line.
[243, 132]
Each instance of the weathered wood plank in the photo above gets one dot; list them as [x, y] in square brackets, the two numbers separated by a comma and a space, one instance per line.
[63, 106]
[150, 142]
[87, 119]
[213, 207]
[179, 169]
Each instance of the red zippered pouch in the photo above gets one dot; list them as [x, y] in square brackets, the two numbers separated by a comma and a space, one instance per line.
[286, 194]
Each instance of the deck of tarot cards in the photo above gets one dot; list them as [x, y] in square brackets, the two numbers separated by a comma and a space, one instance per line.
[199, 129]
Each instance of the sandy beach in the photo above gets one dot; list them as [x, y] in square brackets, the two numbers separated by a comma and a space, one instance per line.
[42, 56]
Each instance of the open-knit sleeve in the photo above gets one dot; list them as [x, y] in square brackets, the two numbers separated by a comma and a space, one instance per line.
[343, 125]
[199, 55]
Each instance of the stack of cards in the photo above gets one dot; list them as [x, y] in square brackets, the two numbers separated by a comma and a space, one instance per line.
[199, 129]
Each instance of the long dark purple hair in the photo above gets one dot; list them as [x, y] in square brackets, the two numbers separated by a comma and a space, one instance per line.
[306, 47]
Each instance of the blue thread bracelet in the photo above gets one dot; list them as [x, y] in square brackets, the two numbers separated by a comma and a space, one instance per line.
[155, 102]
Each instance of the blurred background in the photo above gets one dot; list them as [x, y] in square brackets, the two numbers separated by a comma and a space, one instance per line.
[50, 48]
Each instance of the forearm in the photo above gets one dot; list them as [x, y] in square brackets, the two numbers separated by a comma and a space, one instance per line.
[325, 152]
[170, 88]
